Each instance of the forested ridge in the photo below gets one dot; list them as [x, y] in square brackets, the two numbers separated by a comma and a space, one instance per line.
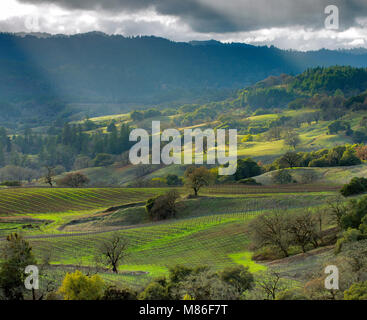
[42, 75]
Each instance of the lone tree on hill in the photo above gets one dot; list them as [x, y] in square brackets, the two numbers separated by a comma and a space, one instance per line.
[112, 250]
[292, 139]
[196, 178]
[49, 177]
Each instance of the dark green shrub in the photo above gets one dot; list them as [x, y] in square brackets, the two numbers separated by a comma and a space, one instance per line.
[321, 162]
[356, 212]
[359, 137]
[162, 207]
[355, 186]
[114, 293]
[281, 177]
[173, 180]
[247, 168]
[239, 277]
[154, 291]
[179, 273]
[349, 158]
[337, 126]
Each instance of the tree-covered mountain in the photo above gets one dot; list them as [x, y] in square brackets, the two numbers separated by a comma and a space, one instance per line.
[40, 75]
[327, 80]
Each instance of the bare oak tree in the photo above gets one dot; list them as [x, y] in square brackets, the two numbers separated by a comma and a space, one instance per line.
[303, 227]
[112, 250]
[271, 283]
[337, 209]
[49, 177]
[271, 229]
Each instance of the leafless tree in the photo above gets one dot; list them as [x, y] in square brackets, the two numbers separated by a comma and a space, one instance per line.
[337, 209]
[49, 177]
[270, 282]
[271, 229]
[112, 250]
[303, 228]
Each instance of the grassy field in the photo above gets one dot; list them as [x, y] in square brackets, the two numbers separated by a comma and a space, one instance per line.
[42, 210]
[313, 136]
[216, 241]
[220, 203]
[210, 230]
[42, 200]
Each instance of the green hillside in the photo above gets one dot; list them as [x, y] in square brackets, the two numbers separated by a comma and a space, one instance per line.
[69, 187]
[330, 176]
[210, 230]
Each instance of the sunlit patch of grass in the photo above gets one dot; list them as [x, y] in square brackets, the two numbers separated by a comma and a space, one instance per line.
[245, 259]
[262, 148]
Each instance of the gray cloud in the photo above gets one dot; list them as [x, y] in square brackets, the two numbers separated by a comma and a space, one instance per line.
[230, 15]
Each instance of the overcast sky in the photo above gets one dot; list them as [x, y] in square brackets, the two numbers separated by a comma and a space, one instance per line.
[296, 24]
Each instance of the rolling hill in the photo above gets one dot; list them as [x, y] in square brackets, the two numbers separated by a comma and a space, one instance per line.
[328, 176]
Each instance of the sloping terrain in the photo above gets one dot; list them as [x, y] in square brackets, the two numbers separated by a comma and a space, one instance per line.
[210, 230]
[48, 200]
[328, 176]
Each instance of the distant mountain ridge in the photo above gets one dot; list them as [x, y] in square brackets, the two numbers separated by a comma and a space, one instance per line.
[40, 69]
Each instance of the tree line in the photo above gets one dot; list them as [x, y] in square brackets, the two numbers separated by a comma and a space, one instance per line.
[33, 150]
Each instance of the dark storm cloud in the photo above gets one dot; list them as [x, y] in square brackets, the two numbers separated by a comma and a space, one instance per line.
[230, 15]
